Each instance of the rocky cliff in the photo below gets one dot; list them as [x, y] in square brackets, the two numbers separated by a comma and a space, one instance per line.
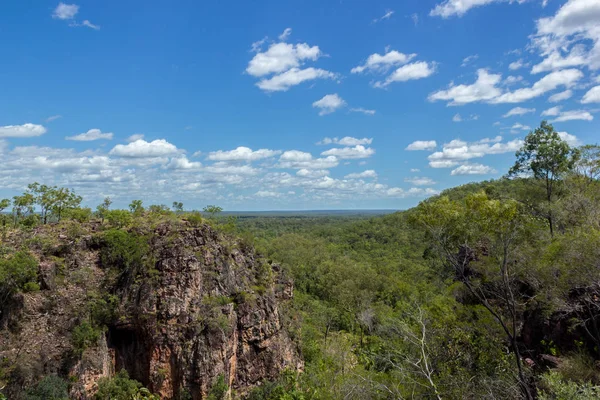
[205, 308]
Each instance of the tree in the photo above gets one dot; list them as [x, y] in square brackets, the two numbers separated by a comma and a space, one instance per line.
[548, 158]
[212, 210]
[588, 163]
[4, 204]
[103, 208]
[136, 207]
[477, 238]
[177, 206]
[62, 199]
[44, 196]
[22, 205]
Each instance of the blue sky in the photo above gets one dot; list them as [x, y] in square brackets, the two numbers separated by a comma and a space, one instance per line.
[279, 105]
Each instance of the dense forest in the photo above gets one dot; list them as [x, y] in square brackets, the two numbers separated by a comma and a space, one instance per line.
[490, 290]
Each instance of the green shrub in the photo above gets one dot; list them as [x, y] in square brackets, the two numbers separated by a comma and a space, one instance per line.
[120, 387]
[18, 272]
[554, 387]
[51, 387]
[123, 251]
[118, 218]
[219, 389]
[84, 336]
[78, 214]
[194, 218]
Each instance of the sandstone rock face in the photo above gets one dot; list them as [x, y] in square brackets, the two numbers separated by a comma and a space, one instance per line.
[212, 310]
[208, 309]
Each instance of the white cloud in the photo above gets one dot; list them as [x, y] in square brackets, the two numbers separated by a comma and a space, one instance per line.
[281, 57]
[285, 34]
[53, 118]
[183, 163]
[520, 126]
[90, 25]
[515, 65]
[346, 141]
[422, 145]
[511, 80]
[90, 135]
[382, 63]
[518, 111]
[415, 18]
[296, 159]
[361, 175]
[293, 77]
[242, 154]
[450, 8]
[573, 115]
[555, 98]
[134, 137]
[562, 39]
[387, 15]
[458, 151]
[423, 181]
[312, 173]
[572, 140]
[223, 168]
[358, 151]
[363, 111]
[329, 104]
[551, 111]
[592, 96]
[467, 60]
[416, 70]
[473, 169]
[142, 149]
[553, 80]
[65, 11]
[567, 115]
[483, 89]
[268, 193]
[21, 131]
[457, 118]
[415, 170]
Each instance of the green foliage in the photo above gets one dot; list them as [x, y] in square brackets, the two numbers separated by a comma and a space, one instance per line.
[123, 251]
[212, 210]
[219, 389]
[121, 387]
[554, 387]
[177, 206]
[51, 387]
[194, 218]
[78, 214]
[84, 336]
[118, 218]
[136, 207]
[17, 272]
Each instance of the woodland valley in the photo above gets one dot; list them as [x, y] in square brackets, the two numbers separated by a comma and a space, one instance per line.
[489, 290]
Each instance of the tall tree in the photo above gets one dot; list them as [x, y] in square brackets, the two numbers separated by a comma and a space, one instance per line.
[212, 210]
[546, 157]
[103, 208]
[4, 204]
[23, 205]
[177, 206]
[588, 163]
[44, 197]
[62, 199]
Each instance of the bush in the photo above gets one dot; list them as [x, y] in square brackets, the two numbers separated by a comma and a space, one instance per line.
[555, 387]
[122, 250]
[18, 272]
[52, 387]
[219, 389]
[84, 336]
[194, 218]
[120, 387]
[80, 215]
[118, 218]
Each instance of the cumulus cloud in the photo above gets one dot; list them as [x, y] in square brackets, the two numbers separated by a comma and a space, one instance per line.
[422, 145]
[21, 131]
[134, 137]
[572, 115]
[555, 98]
[518, 111]
[281, 57]
[551, 111]
[293, 77]
[413, 71]
[572, 140]
[242, 154]
[312, 173]
[457, 151]
[329, 104]
[142, 149]
[382, 63]
[346, 141]
[285, 34]
[296, 159]
[592, 96]
[520, 126]
[92, 134]
[183, 163]
[473, 169]
[459, 118]
[65, 11]
[515, 65]
[485, 88]
[358, 151]
[451, 8]
[362, 175]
